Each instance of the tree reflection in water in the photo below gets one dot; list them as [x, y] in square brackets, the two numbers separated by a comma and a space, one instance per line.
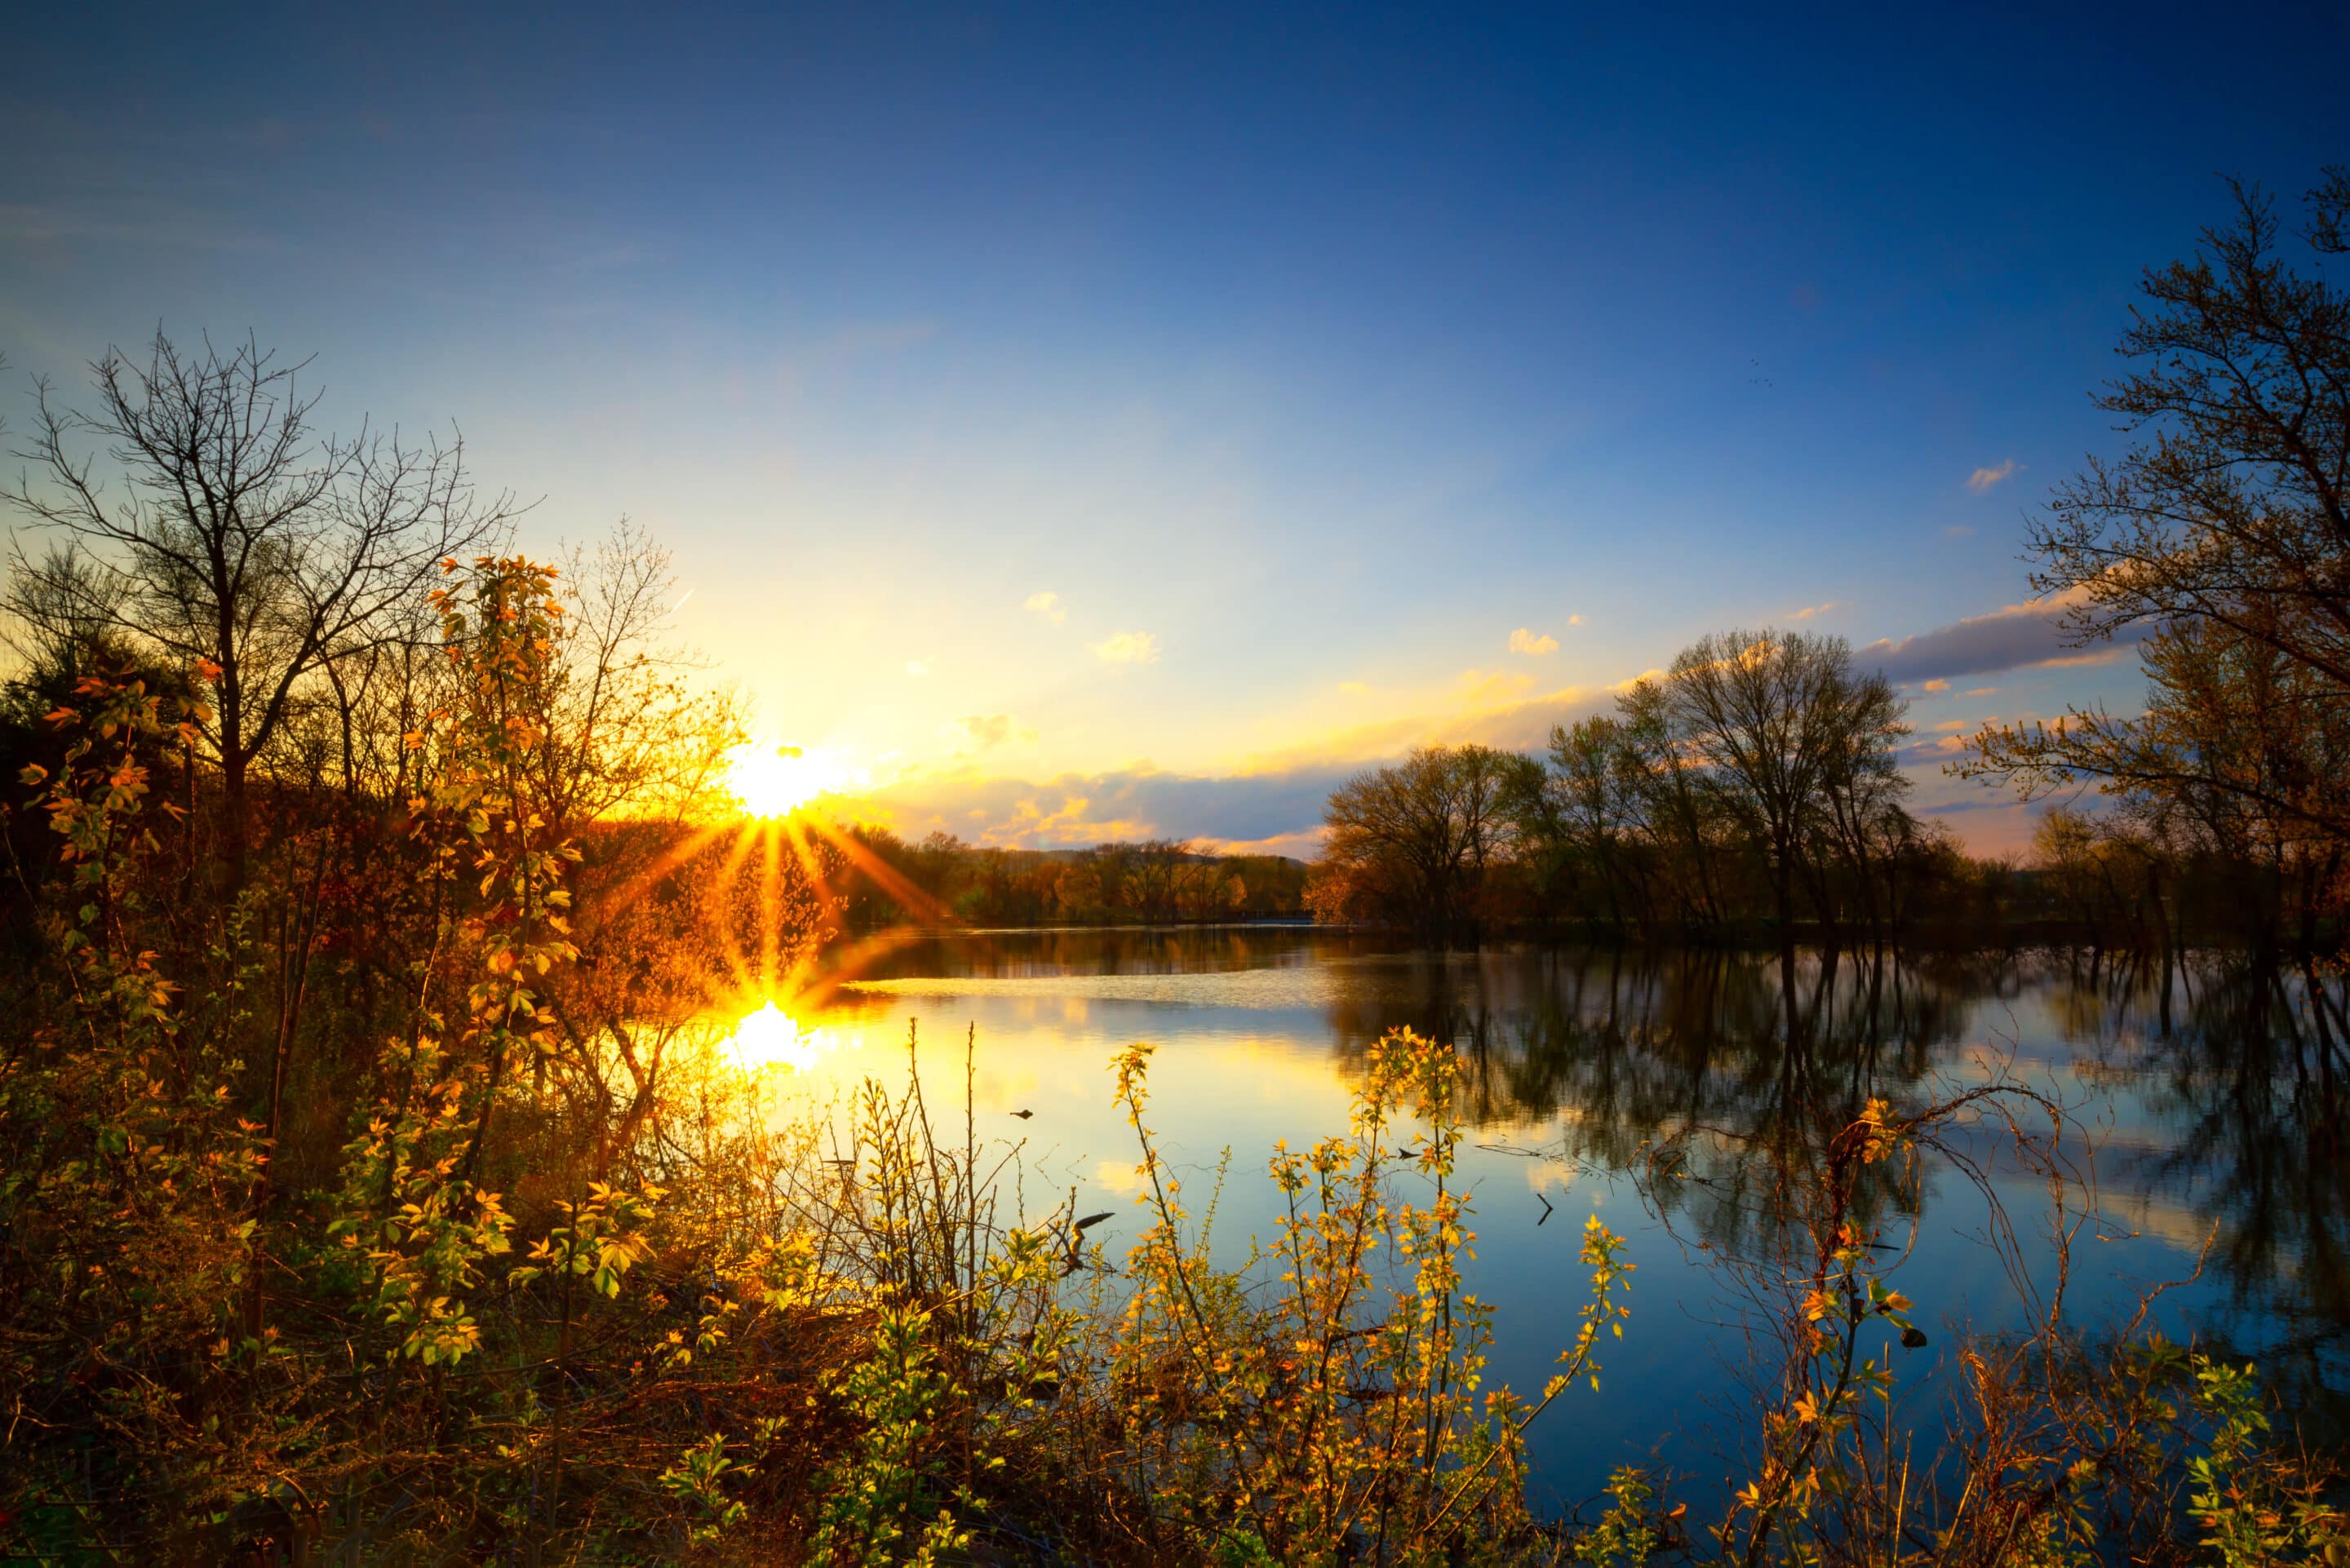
[2215, 1091]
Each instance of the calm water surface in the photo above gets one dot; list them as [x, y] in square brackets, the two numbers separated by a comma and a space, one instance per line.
[2217, 1117]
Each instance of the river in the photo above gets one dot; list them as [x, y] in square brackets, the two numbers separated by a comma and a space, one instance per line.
[2215, 1119]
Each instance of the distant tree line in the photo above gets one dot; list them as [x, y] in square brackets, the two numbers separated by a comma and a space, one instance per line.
[1152, 879]
[1753, 783]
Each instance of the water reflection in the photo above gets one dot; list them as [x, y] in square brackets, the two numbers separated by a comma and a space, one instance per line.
[2210, 1097]
[769, 1038]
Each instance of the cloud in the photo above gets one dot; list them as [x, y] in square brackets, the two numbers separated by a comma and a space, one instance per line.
[1979, 691]
[1936, 686]
[1960, 531]
[1524, 641]
[1353, 689]
[917, 667]
[1483, 688]
[1047, 605]
[1272, 813]
[1983, 479]
[2019, 637]
[1491, 707]
[1305, 844]
[1816, 609]
[1126, 648]
[1574, 621]
[22, 223]
[985, 732]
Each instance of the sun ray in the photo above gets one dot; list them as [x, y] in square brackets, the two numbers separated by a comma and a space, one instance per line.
[729, 937]
[667, 861]
[810, 861]
[883, 875]
[771, 899]
[850, 963]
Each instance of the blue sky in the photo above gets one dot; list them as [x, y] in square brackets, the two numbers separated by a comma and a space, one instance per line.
[1302, 357]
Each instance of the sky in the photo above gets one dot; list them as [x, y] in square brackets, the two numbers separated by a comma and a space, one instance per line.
[1093, 421]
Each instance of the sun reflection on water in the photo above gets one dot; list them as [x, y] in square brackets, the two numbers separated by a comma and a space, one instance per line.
[770, 1037]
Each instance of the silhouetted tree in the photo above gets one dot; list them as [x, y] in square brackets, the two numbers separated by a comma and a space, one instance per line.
[207, 519]
[2225, 524]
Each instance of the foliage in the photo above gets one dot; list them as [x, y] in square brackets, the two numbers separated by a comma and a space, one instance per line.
[1339, 1416]
[383, 1195]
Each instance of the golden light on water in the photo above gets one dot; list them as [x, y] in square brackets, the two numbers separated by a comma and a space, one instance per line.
[776, 781]
[770, 1037]
[783, 868]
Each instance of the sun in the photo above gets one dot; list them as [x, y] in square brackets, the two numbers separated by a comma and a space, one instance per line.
[776, 781]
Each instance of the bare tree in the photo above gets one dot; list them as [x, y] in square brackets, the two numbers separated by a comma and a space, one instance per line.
[627, 725]
[2226, 523]
[1427, 829]
[1594, 794]
[1862, 787]
[1155, 880]
[205, 515]
[1777, 718]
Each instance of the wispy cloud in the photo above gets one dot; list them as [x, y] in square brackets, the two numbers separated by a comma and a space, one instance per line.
[1524, 641]
[1047, 605]
[2019, 637]
[1960, 531]
[1981, 691]
[1353, 689]
[985, 732]
[1574, 621]
[1278, 812]
[1983, 479]
[1494, 707]
[1936, 686]
[1816, 609]
[917, 667]
[1482, 687]
[1126, 648]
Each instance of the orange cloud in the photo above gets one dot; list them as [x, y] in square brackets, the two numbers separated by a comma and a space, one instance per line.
[1524, 641]
[985, 732]
[1483, 687]
[1491, 707]
[1983, 479]
[1126, 648]
[1268, 812]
